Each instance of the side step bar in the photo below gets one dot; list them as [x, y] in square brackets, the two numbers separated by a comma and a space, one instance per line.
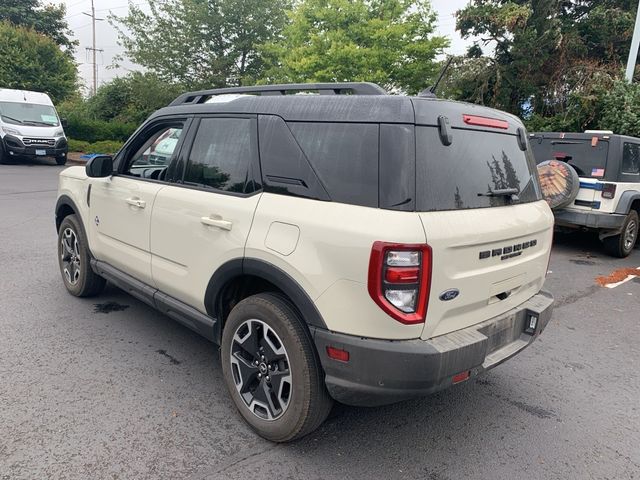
[177, 310]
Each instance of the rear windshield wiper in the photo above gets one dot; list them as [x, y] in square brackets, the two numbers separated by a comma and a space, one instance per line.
[512, 193]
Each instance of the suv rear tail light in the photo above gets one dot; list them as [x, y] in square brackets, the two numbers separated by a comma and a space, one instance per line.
[400, 280]
[608, 190]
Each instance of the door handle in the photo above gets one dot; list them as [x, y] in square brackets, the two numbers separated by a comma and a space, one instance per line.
[216, 221]
[136, 202]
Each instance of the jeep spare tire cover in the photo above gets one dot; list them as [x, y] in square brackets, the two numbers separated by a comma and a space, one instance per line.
[560, 183]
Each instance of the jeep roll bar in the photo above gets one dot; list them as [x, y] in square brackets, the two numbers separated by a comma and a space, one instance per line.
[339, 88]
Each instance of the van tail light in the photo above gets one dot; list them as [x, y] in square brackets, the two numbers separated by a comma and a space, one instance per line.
[400, 280]
[608, 190]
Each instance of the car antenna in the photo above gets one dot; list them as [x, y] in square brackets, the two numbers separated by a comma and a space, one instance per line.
[431, 91]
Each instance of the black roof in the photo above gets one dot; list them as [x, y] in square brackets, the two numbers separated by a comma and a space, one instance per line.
[580, 135]
[368, 104]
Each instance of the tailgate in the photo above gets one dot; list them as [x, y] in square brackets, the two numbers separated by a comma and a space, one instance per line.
[586, 195]
[496, 257]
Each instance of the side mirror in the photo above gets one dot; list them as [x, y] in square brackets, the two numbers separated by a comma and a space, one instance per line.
[100, 166]
[64, 122]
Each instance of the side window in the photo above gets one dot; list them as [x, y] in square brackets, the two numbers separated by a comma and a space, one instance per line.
[345, 157]
[152, 158]
[222, 153]
[631, 159]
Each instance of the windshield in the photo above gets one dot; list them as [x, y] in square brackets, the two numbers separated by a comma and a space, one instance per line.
[478, 170]
[587, 157]
[28, 114]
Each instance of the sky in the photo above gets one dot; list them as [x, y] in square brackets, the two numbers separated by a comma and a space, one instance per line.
[107, 38]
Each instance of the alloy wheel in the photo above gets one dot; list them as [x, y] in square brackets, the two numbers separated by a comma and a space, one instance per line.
[261, 370]
[70, 256]
[630, 235]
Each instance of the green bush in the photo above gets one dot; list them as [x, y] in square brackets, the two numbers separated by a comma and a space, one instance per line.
[104, 146]
[82, 128]
[78, 145]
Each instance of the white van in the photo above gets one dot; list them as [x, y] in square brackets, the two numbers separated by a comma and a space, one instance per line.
[30, 127]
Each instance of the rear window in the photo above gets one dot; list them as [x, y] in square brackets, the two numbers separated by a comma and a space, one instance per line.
[587, 157]
[462, 175]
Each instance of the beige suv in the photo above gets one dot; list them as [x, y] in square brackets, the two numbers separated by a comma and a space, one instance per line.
[347, 244]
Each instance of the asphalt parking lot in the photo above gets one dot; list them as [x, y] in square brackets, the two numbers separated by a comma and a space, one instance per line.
[109, 388]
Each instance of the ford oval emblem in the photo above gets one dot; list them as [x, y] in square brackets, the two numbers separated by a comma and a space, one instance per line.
[449, 294]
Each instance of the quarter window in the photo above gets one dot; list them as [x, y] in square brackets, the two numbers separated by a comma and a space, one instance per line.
[631, 159]
[345, 157]
[222, 154]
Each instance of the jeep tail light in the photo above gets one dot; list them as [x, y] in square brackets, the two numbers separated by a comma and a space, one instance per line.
[400, 280]
[608, 190]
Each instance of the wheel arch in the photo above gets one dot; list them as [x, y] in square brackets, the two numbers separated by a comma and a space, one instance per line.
[629, 200]
[239, 278]
[65, 206]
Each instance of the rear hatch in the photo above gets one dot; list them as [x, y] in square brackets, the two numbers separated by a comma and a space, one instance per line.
[587, 154]
[492, 248]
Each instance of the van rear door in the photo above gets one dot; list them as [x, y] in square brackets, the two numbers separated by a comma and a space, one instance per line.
[489, 244]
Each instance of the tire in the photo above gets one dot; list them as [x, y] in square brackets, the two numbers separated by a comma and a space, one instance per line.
[61, 160]
[560, 183]
[622, 245]
[74, 260]
[283, 348]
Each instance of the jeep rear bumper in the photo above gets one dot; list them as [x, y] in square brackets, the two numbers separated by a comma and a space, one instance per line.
[600, 220]
[380, 372]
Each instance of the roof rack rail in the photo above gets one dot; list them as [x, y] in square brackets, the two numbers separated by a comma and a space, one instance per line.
[354, 88]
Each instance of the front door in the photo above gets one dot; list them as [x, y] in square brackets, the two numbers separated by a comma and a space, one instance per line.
[203, 220]
[121, 205]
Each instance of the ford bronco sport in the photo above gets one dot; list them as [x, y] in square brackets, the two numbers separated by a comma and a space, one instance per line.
[347, 245]
[608, 198]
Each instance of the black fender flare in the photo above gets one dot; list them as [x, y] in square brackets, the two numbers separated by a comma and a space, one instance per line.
[626, 200]
[65, 200]
[266, 271]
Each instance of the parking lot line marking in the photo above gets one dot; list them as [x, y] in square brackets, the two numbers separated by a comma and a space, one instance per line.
[619, 277]
[614, 285]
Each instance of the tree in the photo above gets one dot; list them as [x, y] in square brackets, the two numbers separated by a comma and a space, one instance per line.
[201, 43]
[46, 19]
[390, 42]
[131, 99]
[551, 58]
[31, 61]
[620, 111]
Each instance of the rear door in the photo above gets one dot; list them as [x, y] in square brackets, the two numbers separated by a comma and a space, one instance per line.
[493, 249]
[203, 219]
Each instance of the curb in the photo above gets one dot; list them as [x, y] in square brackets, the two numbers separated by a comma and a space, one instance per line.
[76, 161]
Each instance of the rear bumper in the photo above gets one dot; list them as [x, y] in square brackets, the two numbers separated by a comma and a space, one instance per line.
[380, 372]
[572, 218]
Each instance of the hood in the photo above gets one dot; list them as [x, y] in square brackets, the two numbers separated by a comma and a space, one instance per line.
[33, 130]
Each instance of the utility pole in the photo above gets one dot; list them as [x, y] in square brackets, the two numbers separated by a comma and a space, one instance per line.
[633, 54]
[93, 49]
